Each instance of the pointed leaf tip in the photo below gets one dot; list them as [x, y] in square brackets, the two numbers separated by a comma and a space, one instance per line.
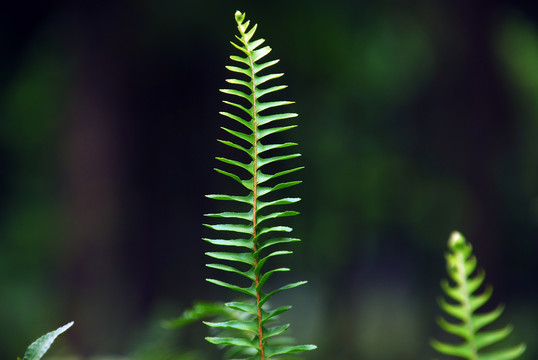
[39, 347]
[239, 16]
[456, 239]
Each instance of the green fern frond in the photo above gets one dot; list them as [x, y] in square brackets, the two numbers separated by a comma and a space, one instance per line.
[253, 336]
[465, 301]
[39, 347]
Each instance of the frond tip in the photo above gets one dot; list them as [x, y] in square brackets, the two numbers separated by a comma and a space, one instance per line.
[251, 232]
[463, 306]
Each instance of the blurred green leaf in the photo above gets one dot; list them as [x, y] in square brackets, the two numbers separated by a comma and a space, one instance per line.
[200, 310]
[39, 347]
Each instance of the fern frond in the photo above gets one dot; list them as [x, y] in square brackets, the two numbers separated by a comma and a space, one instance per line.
[464, 302]
[252, 336]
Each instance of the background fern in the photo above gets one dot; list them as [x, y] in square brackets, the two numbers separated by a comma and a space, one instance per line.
[254, 330]
[461, 264]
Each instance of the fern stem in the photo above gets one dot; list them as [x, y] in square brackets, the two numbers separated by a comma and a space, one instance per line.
[461, 264]
[255, 198]
[467, 305]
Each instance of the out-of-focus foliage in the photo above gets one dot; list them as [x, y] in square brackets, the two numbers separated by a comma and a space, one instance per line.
[38, 348]
[518, 51]
[465, 305]
[200, 310]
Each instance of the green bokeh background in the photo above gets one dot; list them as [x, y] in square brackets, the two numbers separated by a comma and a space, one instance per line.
[416, 118]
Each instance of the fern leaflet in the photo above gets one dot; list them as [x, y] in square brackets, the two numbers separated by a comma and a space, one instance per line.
[461, 264]
[253, 336]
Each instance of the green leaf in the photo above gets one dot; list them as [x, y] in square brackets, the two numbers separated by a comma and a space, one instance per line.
[248, 274]
[452, 292]
[266, 132]
[477, 301]
[474, 283]
[251, 326]
[284, 201]
[266, 119]
[255, 44]
[258, 54]
[289, 350]
[247, 167]
[246, 137]
[261, 106]
[456, 311]
[239, 70]
[249, 291]
[265, 161]
[238, 93]
[266, 177]
[470, 265]
[243, 60]
[456, 329]
[481, 320]
[262, 148]
[261, 92]
[267, 275]
[277, 215]
[484, 339]
[461, 350]
[246, 258]
[275, 228]
[243, 199]
[263, 260]
[239, 147]
[239, 82]
[259, 67]
[230, 175]
[232, 215]
[231, 341]
[507, 354]
[249, 35]
[235, 242]
[239, 106]
[266, 315]
[39, 347]
[285, 287]
[242, 306]
[244, 229]
[275, 241]
[265, 190]
[245, 123]
[263, 79]
[274, 331]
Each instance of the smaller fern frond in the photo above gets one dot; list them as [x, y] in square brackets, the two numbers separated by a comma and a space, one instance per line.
[464, 301]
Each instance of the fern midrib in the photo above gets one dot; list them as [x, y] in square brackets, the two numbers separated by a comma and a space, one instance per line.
[254, 202]
[467, 306]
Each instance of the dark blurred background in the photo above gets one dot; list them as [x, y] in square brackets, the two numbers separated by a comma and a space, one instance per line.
[416, 118]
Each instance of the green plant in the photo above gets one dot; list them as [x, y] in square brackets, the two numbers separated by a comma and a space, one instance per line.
[39, 347]
[253, 335]
[461, 264]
